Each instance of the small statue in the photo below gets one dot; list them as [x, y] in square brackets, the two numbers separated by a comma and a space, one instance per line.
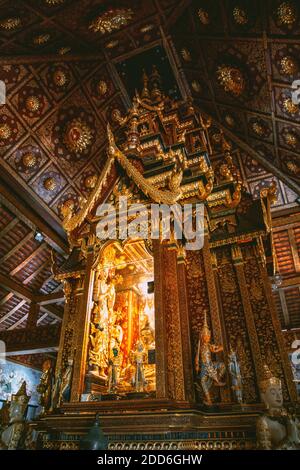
[98, 349]
[14, 434]
[139, 357]
[55, 392]
[113, 370]
[45, 386]
[235, 373]
[211, 371]
[276, 429]
[65, 388]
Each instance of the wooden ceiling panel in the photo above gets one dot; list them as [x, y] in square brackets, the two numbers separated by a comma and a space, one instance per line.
[246, 39]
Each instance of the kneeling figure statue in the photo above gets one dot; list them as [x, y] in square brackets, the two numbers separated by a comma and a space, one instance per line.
[276, 429]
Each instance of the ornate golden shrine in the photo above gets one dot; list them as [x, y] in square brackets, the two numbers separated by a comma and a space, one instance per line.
[150, 329]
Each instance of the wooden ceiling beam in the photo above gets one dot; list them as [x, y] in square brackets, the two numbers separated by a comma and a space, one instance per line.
[20, 266]
[17, 206]
[10, 226]
[24, 293]
[46, 299]
[53, 311]
[30, 341]
[176, 13]
[36, 272]
[16, 247]
[6, 298]
[12, 285]
[19, 322]
[12, 311]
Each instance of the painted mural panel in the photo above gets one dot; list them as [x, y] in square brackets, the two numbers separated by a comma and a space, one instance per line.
[11, 378]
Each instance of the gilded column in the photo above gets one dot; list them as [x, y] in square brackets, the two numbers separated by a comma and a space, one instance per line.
[218, 334]
[160, 346]
[249, 317]
[173, 334]
[236, 324]
[82, 329]
[185, 326]
[72, 292]
[286, 366]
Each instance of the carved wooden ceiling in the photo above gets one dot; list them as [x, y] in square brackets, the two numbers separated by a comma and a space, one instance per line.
[240, 58]
[64, 83]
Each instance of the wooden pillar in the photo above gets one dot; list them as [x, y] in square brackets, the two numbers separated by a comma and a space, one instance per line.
[33, 315]
[185, 328]
[82, 329]
[215, 314]
[176, 389]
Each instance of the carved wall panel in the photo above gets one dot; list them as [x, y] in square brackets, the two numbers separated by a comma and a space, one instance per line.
[235, 323]
[175, 366]
[266, 334]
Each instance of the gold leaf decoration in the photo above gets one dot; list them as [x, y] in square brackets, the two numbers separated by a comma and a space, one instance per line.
[111, 20]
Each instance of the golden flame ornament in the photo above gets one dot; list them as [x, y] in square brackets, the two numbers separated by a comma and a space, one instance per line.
[230, 121]
[41, 39]
[240, 16]
[288, 65]
[90, 181]
[29, 159]
[291, 139]
[60, 78]
[111, 20]
[293, 167]
[258, 128]
[32, 104]
[9, 24]
[231, 79]
[287, 14]
[5, 132]
[54, 2]
[50, 184]
[102, 87]
[290, 107]
[78, 136]
[203, 16]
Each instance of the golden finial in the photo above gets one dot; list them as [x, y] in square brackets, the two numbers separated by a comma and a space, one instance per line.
[205, 328]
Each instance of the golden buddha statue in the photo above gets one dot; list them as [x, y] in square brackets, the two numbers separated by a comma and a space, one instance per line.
[13, 435]
[276, 429]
